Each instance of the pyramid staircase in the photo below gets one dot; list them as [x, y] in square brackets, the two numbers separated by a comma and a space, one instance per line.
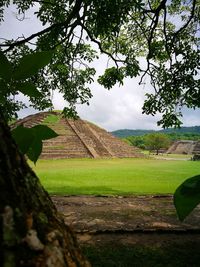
[66, 145]
[116, 146]
[78, 139]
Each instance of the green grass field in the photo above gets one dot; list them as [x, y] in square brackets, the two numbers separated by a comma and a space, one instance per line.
[113, 176]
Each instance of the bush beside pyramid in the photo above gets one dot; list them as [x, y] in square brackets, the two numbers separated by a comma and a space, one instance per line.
[78, 139]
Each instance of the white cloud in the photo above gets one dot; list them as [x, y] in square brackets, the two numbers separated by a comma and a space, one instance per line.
[120, 107]
[12, 28]
[191, 117]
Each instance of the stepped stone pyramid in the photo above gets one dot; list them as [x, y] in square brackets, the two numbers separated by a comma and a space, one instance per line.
[78, 139]
[185, 147]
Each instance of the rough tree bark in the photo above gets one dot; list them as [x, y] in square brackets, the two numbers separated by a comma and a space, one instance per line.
[32, 231]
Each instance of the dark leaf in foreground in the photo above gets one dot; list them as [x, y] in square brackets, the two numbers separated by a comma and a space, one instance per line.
[187, 196]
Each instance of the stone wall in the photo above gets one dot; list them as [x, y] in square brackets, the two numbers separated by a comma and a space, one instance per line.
[182, 147]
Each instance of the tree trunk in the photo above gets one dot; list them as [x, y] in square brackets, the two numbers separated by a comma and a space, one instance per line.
[32, 231]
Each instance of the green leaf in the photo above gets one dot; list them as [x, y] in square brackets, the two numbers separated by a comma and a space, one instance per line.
[43, 132]
[5, 67]
[23, 137]
[35, 150]
[28, 89]
[3, 88]
[111, 77]
[29, 140]
[31, 64]
[187, 196]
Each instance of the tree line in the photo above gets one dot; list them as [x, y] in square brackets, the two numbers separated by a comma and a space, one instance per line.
[161, 140]
[123, 133]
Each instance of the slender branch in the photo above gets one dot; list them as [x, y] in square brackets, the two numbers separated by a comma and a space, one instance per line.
[65, 24]
[79, 41]
[70, 33]
[20, 19]
[25, 40]
[188, 22]
[81, 63]
[143, 31]
[74, 53]
[116, 61]
[153, 26]
[154, 10]
[31, 43]
[155, 22]
[165, 35]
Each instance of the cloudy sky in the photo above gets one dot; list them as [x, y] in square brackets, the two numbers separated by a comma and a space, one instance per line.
[119, 108]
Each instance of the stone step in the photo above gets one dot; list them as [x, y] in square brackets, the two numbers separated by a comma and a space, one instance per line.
[65, 150]
[65, 140]
[63, 156]
[117, 146]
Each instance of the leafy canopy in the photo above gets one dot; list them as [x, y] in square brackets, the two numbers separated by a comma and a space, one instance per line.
[156, 141]
[164, 33]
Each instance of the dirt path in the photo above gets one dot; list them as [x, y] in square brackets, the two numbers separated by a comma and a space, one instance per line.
[127, 219]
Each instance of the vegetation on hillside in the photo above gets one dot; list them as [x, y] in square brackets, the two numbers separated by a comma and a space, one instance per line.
[140, 140]
[185, 131]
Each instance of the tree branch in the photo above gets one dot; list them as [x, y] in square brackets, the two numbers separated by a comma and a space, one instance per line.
[116, 61]
[187, 23]
[65, 24]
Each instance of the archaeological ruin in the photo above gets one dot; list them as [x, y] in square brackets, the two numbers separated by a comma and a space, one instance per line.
[77, 139]
[184, 147]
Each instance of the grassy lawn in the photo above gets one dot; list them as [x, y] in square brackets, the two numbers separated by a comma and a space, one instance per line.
[171, 156]
[113, 176]
[178, 156]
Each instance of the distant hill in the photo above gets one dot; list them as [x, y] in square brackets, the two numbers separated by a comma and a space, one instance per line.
[123, 133]
[127, 132]
[192, 129]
